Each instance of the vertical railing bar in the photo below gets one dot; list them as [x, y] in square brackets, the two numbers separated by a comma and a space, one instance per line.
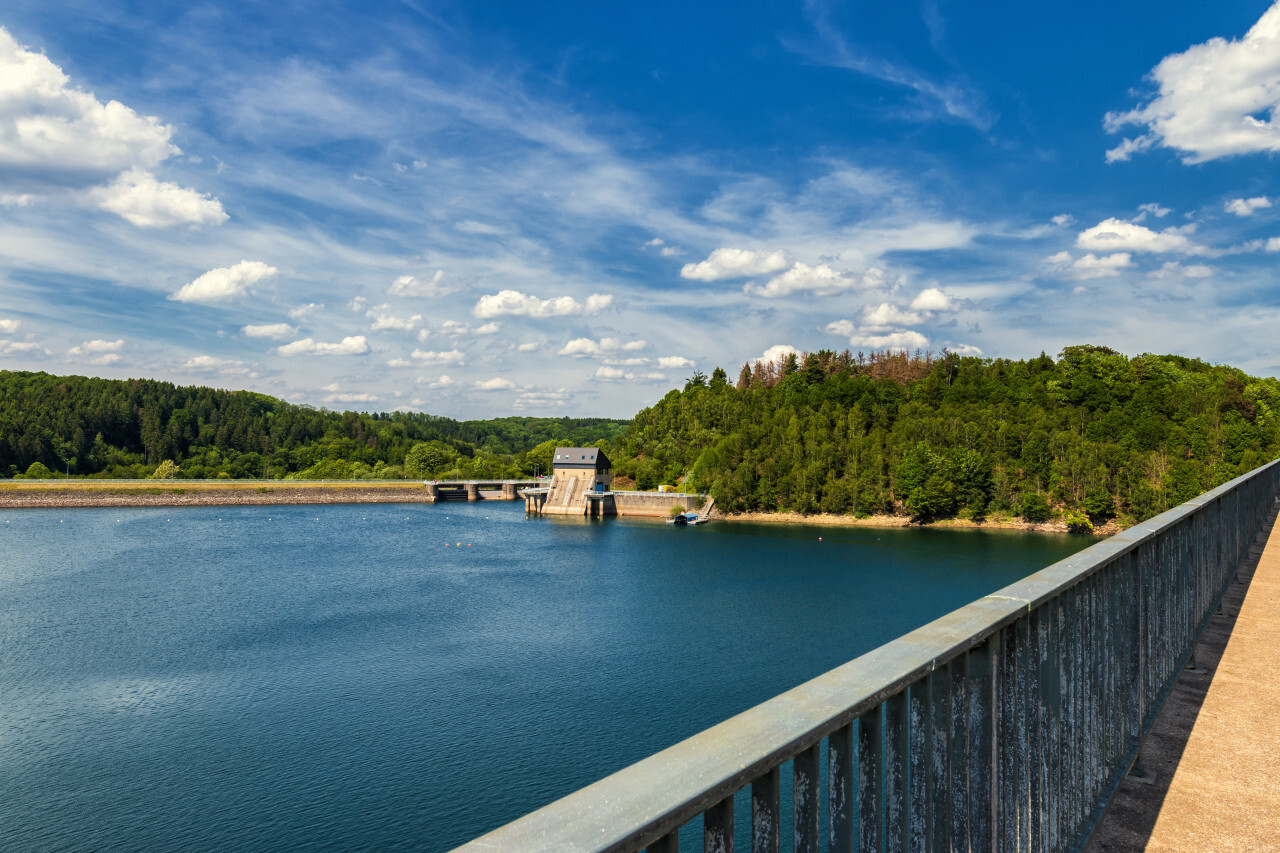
[871, 781]
[959, 759]
[840, 794]
[806, 794]
[896, 776]
[717, 827]
[981, 721]
[919, 745]
[669, 843]
[939, 761]
[766, 812]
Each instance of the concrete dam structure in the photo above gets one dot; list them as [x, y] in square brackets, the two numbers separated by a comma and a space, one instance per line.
[581, 478]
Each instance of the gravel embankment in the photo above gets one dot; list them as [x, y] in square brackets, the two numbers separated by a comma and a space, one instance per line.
[217, 496]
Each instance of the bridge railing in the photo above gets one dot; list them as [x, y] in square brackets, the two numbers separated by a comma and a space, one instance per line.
[1006, 725]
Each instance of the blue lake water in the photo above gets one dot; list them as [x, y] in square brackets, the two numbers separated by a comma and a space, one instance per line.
[336, 678]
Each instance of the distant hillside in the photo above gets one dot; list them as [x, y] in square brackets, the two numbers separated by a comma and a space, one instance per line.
[126, 428]
[1093, 434]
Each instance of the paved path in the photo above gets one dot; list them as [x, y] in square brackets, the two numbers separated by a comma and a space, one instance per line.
[1215, 749]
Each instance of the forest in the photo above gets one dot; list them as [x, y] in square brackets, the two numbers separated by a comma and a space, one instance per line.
[132, 429]
[1089, 436]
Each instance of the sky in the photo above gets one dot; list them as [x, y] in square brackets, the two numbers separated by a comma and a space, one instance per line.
[480, 209]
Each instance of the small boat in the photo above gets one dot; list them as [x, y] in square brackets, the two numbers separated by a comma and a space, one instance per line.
[685, 518]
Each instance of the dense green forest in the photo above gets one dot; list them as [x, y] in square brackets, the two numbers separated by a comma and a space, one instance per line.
[55, 425]
[1092, 435]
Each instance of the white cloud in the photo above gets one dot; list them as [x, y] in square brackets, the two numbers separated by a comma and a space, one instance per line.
[407, 285]
[654, 243]
[95, 347]
[223, 366]
[383, 320]
[589, 348]
[1062, 220]
[1116, 235]
[886, 314]
[1155, 210]
[399, 362]
[1211, 98]
[515, 303]
[357, 304]
[55, 136]
[531, 346]
[1273, 245]
[304, 311]
[486, 329]
[777, 354]
[904, 340]
[148, 203]
[1090, 265]
[470, 226]
[843, 328]
[452, 356]
[964, 349]
[1246, 206]
[672, 252]
[670, 361]
[932, 299]
[1173, 269]
[8, 326]
[821, 280]
[530, 399]
[615, 374]
[21, 348]
[735, 263]
[437, 382]
[349, 397]
[355, 345]
[275, 331]
[497, 383]
[223, 283]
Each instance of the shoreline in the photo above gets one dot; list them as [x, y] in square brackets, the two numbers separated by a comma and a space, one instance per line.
[107, 493]
[1014, 525]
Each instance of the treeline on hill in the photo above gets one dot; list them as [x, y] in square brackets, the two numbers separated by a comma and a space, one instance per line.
[1092, 435]
[52, 425]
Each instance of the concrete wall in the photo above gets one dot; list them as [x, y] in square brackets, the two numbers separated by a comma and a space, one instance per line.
[656, 504]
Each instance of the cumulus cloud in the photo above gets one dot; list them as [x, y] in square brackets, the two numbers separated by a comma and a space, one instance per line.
[964, 349]
[354, 345]
[887, 314]
[275, 331]
[497, 383]
[1116, 235]
[95, 347]
[57, 137]
[223, 366]
[777, 354]
[148, 203]
[517, 304]
[821, 280]
[670, 361]
[437, 382]
[1211, 99]
[537, 399]
[735, 263]
[932, 299]
[902, 340]
[304, 311]
[1062, 220]
[589, 348]
[8, 326]
[843, 328]
[407, 285]
[452, 356]
[1154, 210]
[223, 283]
[21, 348]
[1173, 269]
[531, 346]
[616, 374]
[1090, 265]
[351, 397]
[1246, 206]
[1273, 245]
[384, 320]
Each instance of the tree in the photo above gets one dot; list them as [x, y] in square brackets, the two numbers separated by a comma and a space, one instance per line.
[166, 470]
[426, 458]
[1035, 508]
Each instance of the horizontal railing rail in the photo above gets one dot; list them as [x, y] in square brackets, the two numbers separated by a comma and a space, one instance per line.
[1005, 725]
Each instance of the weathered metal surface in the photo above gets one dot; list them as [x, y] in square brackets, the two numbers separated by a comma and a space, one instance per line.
[1004, 725]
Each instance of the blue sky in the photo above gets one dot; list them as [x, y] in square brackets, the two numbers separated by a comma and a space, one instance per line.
[481, 209]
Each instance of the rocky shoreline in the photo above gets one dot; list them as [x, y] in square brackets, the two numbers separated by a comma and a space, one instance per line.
[828, 519]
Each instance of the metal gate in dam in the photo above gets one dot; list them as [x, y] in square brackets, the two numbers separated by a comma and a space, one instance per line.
[1006, 725]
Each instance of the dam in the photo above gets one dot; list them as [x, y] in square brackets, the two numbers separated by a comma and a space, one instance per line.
[581, 481]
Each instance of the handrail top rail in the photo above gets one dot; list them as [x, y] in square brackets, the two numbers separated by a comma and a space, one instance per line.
[642, 802]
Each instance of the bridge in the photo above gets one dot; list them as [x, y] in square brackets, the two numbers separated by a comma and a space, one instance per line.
[477, 490]
[1010, 724]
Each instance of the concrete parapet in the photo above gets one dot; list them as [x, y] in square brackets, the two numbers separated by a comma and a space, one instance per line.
[473, 491]
[654, 504]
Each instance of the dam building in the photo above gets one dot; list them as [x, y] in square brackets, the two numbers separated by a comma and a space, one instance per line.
[581, 481]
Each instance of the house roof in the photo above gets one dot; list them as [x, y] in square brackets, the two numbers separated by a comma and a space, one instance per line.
[580, 457]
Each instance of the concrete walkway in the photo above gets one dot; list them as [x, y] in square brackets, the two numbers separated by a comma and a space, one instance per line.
[1215, 749]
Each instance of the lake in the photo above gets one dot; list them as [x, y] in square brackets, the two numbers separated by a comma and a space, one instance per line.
[406, 677]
